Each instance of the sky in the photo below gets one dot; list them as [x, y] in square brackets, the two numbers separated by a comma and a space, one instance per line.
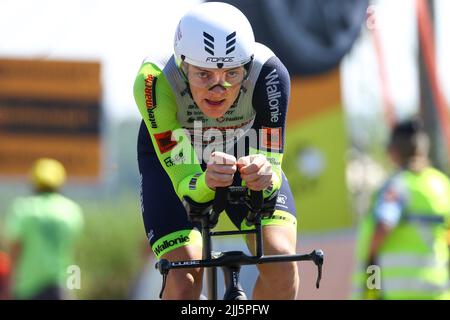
[397, 27]
[121, 34]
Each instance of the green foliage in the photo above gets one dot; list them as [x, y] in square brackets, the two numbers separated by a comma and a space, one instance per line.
[110, 252]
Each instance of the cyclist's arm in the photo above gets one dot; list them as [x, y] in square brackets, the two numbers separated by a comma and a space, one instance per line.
[387, 211]
[157, 105]
[270, 100]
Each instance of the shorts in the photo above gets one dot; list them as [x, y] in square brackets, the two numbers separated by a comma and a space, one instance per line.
[165, 219]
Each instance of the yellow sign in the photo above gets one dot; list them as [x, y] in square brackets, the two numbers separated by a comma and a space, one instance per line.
[315, 154]
[79, 155]
[67, 80]
[50, 109]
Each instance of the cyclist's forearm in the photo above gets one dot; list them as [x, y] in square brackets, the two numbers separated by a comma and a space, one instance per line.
[176, 155]
[195, 187]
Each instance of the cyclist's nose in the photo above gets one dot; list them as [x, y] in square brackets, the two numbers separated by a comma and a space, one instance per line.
[218, 79]
[218, 88]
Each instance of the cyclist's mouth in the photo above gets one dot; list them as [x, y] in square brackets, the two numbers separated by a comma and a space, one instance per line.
[217, 103]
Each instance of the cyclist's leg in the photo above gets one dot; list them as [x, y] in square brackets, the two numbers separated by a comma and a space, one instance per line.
[169, 232]
[184, 284]
[276, 280]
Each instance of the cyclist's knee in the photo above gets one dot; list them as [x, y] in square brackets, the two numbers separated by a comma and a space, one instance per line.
[184, 283]
[279, 241]
[286, 272]
[280, 276]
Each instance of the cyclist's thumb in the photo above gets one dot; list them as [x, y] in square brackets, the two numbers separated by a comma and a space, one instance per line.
[243, 161]
[218, 157]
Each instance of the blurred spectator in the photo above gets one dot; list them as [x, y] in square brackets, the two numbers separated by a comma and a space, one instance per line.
[403, 238]
[4, 275]
[41, 230]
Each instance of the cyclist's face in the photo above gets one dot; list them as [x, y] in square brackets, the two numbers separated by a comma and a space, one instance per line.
[215, 90]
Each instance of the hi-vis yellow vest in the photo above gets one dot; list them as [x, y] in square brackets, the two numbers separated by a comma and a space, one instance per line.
[414, 258]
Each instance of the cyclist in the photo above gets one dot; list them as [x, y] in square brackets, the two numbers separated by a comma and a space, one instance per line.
[41, 230]
[213, 116]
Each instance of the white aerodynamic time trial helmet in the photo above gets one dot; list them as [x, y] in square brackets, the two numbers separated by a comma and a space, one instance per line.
[214, 35]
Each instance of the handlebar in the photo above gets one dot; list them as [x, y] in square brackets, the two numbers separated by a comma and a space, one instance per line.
[230, 258]
[208, 215]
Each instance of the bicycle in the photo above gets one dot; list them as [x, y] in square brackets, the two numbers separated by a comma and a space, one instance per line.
[231, 261]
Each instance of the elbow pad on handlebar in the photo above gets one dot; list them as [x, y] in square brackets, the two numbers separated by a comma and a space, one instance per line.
[269, 204]
[196, 210]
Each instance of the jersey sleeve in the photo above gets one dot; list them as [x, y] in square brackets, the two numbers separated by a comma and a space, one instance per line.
[157, 105]
[390, 203]
[270, 100]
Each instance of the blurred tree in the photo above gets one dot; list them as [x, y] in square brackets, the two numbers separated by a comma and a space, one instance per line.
[433, 108]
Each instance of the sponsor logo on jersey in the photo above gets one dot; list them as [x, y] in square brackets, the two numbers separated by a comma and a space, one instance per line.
[273, 161]
[273, 95]
[168, 162]
[170, 243]
[281, 199]
[164, 141]
[224, 128]
[150, 99]
[271, 138]
[151, 117]
[174, 159]
[198, 118]
[196, 113]
[230, 119]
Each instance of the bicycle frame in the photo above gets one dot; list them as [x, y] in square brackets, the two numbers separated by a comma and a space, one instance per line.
[231, 261]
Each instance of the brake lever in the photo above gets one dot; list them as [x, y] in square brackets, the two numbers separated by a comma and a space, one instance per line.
[163, 267]
[317, 258]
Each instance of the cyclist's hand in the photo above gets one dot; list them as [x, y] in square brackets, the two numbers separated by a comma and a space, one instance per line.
[256, 171]
[220, 170]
